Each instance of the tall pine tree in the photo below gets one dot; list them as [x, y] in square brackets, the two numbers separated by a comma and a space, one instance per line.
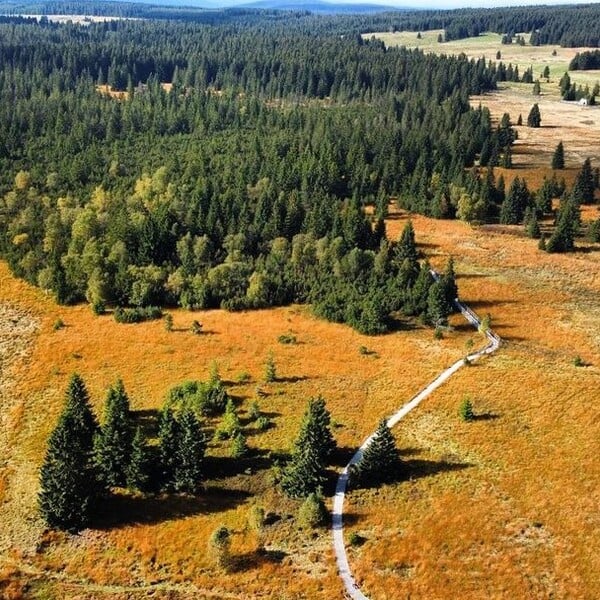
[112, 447]
[190, 454]
[305, 472]
[69, 481]
[380, 460]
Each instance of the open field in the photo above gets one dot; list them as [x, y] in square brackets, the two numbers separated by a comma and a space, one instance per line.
[578, 127]
[513, 509]
[166, 538]
[504, 507]
[488, 44]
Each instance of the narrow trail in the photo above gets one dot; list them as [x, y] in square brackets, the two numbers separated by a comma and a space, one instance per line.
[337, 528]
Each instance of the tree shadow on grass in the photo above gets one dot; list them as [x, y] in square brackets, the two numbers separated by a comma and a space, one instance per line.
[219, 467]
[147, 420]
[410, 470]
[122, 510]
[256, 559]
[419, 468]
[486, 417]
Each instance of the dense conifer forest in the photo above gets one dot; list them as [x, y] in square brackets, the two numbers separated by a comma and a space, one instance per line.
[242, 163]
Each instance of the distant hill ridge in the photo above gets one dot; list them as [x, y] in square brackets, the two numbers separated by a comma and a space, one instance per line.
[320, 6]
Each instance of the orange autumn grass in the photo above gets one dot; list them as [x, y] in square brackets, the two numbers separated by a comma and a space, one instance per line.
[164, 540]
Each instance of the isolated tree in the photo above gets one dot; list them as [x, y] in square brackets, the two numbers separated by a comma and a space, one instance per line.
[138, 470]
[534, 118]
[537, 89]
[219, 546]
[516, 202]
[313, 512]
[380, 460]
[558, 158]
[546, 72]
[305, 471]
[191, 447]
[112, 446]
[270, 369]
[69, 482]
[465, 410]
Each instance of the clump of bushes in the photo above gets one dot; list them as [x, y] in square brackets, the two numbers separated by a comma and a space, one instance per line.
[207, 398]
[137, 314]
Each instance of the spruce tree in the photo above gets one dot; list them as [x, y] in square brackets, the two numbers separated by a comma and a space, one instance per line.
[168, 436]
[406, 248]
[534, 119]
[312, 448]
[78, 404]
[448, 281]
[533, 227]
[380, 460]
[190, 454]
[438, 307]
[69, 481]
[567, 227]
[558, 158]
[139, 467]
[112, 447]
[583, 188]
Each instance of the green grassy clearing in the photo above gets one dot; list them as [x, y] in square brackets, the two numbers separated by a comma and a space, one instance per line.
[488, 44]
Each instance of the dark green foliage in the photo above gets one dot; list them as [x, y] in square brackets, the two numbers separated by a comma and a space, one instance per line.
[139, 469]
[304, 474]
[583, 188]
[406, 248]
[594, 231]
[584, 61]
[516, 202]
[112, 445]
[537, 90]
[380, 461]
[190, 450]
[448, 282]
[567, 227]
[558, 158]
[70, 487]
[136, 315]
[465, 410]
[533, 227]
[438, 307]
[168, 437]
[534, 118]
[168, 322]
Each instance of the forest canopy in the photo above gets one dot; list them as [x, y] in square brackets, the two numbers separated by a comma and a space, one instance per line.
[240, 164]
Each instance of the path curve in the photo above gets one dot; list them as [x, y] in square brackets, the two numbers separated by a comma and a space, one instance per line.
[337, 528]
